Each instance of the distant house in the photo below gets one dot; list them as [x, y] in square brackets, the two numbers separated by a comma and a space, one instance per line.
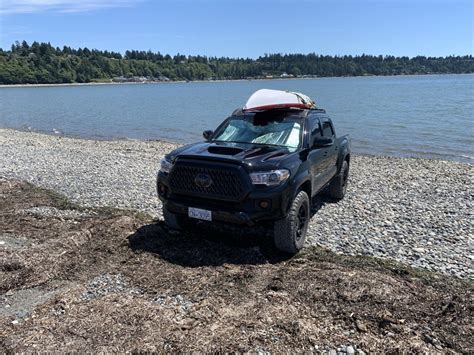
[139, 79]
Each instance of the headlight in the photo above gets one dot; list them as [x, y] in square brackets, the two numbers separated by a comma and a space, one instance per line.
[165, 165]
[269, 178]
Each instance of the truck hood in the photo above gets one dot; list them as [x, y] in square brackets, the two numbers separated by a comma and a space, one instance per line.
[247, 154]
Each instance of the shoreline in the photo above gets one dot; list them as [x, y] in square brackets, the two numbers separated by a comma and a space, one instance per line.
[217, 81]
[165, 141]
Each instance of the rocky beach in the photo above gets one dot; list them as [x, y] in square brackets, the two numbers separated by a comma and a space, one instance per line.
[415, 211]
[87, 263]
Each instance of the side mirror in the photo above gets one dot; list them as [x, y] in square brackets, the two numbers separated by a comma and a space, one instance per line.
[321, 142]
[207, 134]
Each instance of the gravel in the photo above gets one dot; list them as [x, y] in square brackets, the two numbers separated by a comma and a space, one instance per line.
[412, 210]
[105, 284]
[48, 212]
[21, 303]
[93, 173]
[12, 242]
[176, 301]
[415, 211]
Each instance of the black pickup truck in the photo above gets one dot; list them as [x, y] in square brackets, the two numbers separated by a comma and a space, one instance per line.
[257, 168]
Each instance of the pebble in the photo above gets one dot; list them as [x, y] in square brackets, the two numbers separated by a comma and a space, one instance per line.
[105, 284]
[177, 301]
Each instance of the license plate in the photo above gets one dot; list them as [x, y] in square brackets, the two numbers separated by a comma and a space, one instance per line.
[199, 213]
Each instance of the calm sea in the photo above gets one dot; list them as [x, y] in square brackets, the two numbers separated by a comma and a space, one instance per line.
[420, 116]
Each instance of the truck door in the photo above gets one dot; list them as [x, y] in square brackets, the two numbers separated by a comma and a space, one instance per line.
[330, 153]
[316, 156]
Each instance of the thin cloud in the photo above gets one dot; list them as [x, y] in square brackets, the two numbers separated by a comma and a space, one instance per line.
[32, 6]
[16, 30]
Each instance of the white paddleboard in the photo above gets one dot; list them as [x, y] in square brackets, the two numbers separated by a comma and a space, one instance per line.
[266, 99]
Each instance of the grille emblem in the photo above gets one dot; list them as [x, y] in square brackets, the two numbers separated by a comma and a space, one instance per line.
[203, 180]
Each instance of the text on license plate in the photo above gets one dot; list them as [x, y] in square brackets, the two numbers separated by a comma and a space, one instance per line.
[200, 214]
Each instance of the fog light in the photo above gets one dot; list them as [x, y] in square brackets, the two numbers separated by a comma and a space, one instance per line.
[264, 204]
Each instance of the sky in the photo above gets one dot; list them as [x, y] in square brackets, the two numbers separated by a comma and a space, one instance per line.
[245, 28]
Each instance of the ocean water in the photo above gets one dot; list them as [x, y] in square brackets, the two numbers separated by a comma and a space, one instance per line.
[417, 116]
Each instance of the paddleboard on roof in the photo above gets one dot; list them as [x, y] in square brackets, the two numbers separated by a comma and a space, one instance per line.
[266, 99]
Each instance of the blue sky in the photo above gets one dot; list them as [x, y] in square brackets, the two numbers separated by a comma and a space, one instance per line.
[245, 28]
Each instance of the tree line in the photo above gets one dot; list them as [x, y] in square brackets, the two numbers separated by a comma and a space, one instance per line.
[42, 63]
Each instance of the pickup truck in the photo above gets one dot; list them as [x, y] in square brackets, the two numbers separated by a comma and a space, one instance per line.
[257, 168]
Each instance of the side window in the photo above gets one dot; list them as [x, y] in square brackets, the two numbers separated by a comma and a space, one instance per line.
[315, 128]
[327, 129]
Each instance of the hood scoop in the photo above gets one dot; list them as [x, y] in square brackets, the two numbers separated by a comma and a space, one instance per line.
[264, 151]
[277, 154]
[224, 150]
[253, 153]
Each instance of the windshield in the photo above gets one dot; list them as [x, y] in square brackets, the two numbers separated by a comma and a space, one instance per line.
[285, 133]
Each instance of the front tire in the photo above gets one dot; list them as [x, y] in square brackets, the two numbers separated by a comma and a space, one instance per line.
[290, 233]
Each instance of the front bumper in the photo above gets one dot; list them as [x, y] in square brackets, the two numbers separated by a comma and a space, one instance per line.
[245, 212]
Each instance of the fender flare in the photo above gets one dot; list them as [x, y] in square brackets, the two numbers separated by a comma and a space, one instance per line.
[299, 181]
[342, 156]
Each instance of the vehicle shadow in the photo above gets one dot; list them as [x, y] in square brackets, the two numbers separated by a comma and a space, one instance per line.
[318, 202]
[205, 246]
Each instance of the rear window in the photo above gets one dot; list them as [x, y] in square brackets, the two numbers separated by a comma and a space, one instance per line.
[315, 130]
[327, 129]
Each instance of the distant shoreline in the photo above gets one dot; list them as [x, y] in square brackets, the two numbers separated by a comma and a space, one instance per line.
[217, 81]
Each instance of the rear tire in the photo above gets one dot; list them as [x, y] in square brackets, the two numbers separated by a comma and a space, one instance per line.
[172, 220]
[338, 186]
[289, 233]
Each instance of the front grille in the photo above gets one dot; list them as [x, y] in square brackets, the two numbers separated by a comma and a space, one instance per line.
[227, 182]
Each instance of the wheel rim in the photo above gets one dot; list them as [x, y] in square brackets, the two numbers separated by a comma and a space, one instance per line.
[302, 221]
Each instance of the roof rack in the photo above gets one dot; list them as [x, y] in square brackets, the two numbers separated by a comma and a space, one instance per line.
[239, 111]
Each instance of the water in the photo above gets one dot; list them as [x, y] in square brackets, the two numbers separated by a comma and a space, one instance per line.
[421, 116]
